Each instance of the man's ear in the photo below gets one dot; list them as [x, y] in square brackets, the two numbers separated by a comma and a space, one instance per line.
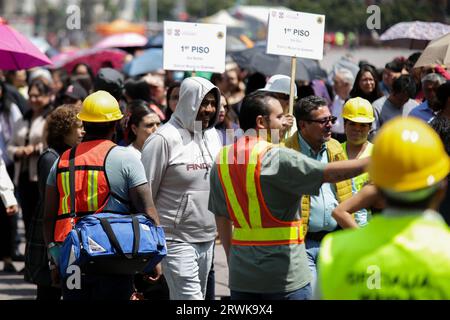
[301, 124]
[261, 122]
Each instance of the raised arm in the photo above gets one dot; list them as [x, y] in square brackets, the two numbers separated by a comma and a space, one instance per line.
[342, 170]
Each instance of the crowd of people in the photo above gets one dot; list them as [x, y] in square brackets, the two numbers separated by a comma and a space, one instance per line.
[218, 157]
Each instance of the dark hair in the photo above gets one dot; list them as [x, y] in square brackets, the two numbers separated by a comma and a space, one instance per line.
[88, 67]
[41, 86]
[304, 90]
[412, 59]
[84, 80]
[216, 77]
[5, 100]
[168, 112]
[404, 84]
[442, 94]
[63, 76]
[254, 105]
[60, 123]
[137, 89]
[395, 65]
[304, 107]
[254, 82]
[356, 90]
[138, 109]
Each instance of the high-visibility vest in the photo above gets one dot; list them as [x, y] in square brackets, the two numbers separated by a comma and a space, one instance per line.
[401, 257]
[239, 168]
[362, 179]
[90, 181]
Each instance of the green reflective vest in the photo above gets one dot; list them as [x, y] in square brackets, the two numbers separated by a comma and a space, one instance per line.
[394, 257]
[359, 181]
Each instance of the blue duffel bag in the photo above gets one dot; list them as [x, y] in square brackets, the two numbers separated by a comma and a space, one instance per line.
[108, 243]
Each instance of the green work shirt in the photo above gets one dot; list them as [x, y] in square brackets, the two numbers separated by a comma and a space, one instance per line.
[285, 176]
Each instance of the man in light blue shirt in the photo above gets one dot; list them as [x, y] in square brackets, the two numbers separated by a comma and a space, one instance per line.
[313, 139]
[322, 205]
[426, 109]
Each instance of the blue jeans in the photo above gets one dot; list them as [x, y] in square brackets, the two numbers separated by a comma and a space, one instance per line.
[312, 252]
[304, 293]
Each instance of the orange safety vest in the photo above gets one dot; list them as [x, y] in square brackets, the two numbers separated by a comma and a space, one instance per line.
[90, 183]
[239, 168]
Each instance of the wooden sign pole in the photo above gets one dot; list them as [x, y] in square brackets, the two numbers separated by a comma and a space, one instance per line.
[292, 90]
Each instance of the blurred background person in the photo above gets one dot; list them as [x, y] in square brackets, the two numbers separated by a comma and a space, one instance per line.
[74, 94]
[366, 84]
[227, 128]
[400, 102]
[427, 109]
[26, 145]
[173, 95]
[342, 85]
[63, 131]
[141, 123]
[8, 207]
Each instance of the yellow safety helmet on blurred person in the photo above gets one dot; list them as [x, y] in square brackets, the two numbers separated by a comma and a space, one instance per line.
[100, 106]
[408, 159]
[358, 110]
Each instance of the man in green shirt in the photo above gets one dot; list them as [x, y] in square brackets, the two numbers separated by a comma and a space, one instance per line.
[265, 251]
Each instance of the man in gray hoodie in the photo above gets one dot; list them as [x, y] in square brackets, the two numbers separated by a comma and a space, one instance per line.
[177, 159]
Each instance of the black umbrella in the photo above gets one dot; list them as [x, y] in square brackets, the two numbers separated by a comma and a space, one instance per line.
[256, 60]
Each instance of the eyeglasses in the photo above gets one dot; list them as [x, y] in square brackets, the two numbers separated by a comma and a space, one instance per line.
[323, 121]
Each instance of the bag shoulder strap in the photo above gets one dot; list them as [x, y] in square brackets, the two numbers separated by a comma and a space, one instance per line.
[113, 239]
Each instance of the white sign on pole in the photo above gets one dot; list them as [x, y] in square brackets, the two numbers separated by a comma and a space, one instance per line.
[296, 34]
[194, 46]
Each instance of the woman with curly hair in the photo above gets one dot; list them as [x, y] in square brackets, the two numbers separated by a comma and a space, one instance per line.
[62, 131]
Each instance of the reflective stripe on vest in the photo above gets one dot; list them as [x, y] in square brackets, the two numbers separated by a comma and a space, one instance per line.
[91, 184]
[260, 228]
[359, 181]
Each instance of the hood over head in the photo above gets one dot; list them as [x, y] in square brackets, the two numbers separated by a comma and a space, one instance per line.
[192, 92]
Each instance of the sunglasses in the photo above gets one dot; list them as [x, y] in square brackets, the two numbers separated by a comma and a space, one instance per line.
[323, 121]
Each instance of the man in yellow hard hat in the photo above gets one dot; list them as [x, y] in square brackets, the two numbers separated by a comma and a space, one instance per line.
[106, 178]
[403, 253]
[358, 118]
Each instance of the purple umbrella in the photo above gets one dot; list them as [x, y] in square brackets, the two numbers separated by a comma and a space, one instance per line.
[17, 52]
[415, 34]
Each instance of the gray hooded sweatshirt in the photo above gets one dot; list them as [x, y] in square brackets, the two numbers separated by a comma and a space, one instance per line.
[177, 159]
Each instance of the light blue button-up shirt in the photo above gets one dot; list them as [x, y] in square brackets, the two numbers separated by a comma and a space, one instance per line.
[320, 218]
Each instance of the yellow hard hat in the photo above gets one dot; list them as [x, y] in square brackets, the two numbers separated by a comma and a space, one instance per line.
[100, 106]
[358, 110]
[408, 155]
